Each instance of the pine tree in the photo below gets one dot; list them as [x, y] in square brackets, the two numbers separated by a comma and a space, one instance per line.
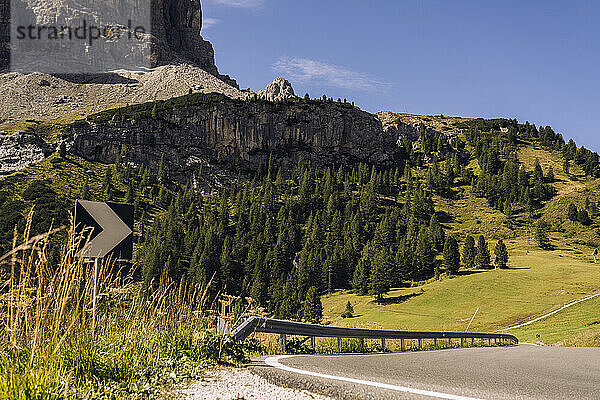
[424, 256]
[312, 309]
[566, 166]
[550, 175]
[360, 280]
[584, 218]
[437, 233]
[379, 283]
[573, 212]
[541, 235]
[107, 185]
[85, 191]
[129, 194]
[349, 312]
[483, 253]
[62, 150]
[501, 254]
[451, 255]
[469, 252]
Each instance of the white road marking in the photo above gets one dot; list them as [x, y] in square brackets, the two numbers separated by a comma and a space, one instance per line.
[274, 362]
[552, 313]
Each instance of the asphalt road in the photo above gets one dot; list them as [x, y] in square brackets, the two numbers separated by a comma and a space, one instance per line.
[519, 372]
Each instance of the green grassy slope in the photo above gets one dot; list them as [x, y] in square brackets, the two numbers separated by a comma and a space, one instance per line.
[537, 282]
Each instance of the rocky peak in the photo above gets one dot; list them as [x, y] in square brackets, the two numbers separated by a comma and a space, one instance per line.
[279, 89]
[175, 37]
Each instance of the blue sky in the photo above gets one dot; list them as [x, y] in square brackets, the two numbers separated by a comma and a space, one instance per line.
[531, 60]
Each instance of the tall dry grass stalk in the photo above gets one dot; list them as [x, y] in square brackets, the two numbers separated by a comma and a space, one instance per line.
[48, 348]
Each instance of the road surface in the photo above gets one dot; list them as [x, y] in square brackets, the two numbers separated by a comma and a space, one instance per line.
[518, 372]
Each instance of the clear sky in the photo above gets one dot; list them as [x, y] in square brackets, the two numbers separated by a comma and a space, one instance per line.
[531, 60]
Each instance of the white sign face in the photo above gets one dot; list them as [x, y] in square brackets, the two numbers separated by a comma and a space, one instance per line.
[111, 227]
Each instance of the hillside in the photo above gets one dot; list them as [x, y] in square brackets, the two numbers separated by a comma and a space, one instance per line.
[439, 163]
[278, 198]
[537, 282]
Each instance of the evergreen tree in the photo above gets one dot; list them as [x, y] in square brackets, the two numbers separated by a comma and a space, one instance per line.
[584, 218]
[360, 280]
[501, 254]
[85, 191]
[379, 283]
[573, 212]
[107, 185]
[550, 175]
[483, 252]
[566, 166]
[469, 253]
[312, 309]
[349, 312]
[437, 233]
[541, 235]
[451, 255]
[129, 194]
[424, 256]
[62, 150]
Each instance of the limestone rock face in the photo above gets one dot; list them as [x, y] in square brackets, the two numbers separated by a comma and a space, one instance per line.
[278, 90]
[240, 134]
[21, 150]
[174, 34]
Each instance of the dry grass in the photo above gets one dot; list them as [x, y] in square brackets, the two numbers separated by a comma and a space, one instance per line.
[143, 339]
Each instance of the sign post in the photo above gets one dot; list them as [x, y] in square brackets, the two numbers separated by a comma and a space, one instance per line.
[111, 235]
[96, 273]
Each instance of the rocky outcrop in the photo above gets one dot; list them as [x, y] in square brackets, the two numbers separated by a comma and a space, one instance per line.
[21, 150]
[278, 90]
[173, 34]
[412, 135]
[176, 30]
[240, 134]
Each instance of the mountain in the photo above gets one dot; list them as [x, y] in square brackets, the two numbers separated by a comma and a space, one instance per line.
[268, 195]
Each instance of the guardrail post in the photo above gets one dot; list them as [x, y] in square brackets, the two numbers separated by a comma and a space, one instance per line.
[282, 340]
[383, 344]
[312, 342]
[472, 341]
[339, 344]
[435, 342]
[420, 342]
[462, 342]
[490, 341]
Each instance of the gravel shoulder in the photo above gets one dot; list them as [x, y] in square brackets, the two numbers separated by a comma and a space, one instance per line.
[230, 384]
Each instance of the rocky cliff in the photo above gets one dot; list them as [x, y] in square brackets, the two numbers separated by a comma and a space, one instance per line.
[174, 31]
[236, 134]
[21, 150]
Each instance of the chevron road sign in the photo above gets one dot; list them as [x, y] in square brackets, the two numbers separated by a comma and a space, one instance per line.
[111, 227]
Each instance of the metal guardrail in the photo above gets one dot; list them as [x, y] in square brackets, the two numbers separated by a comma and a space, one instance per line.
[283, 328]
